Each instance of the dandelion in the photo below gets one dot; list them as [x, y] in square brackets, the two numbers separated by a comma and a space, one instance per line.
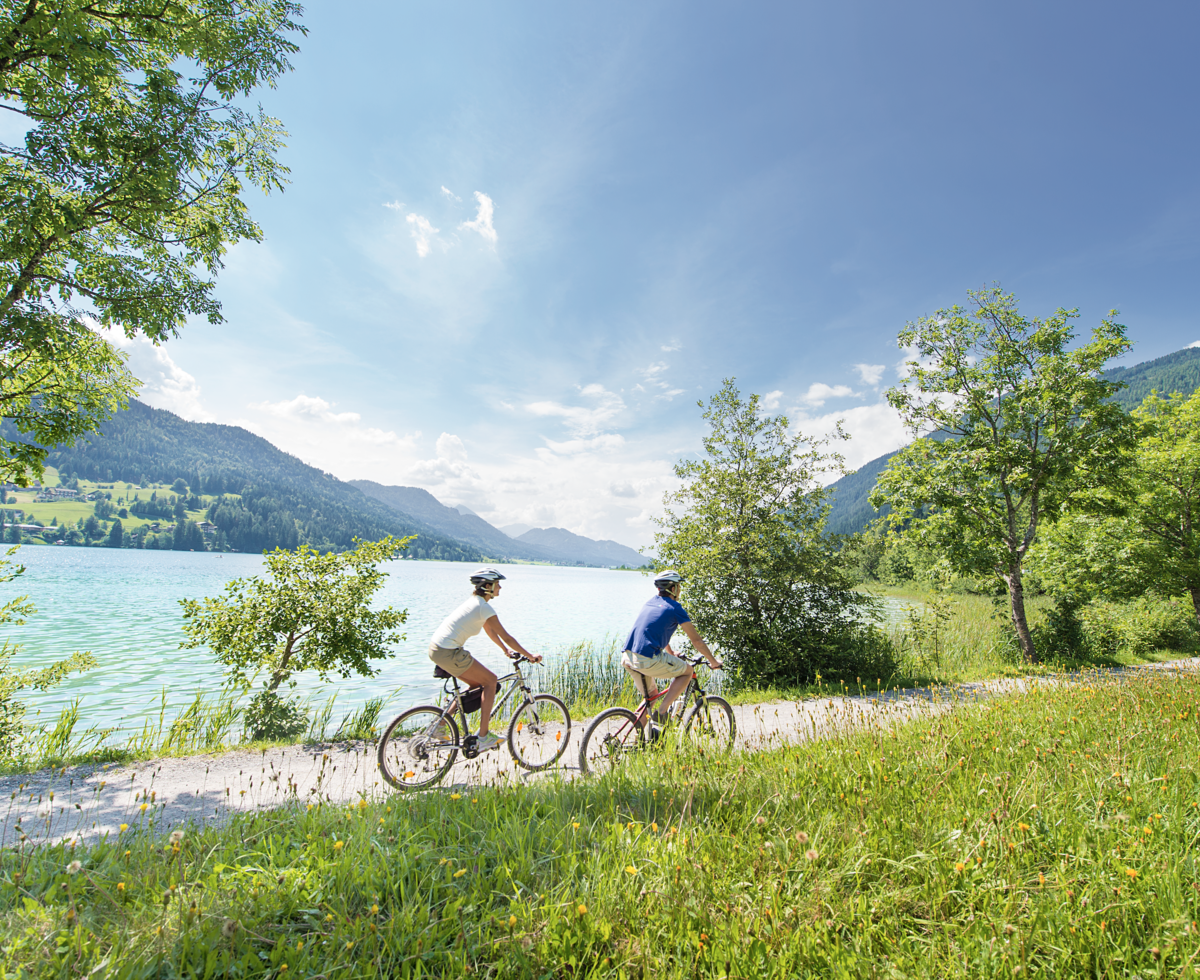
[142, 808]
[654, 827]
[374, 909]
[338, 845]
[74, 868]
[460, 872]
[582, 909]
[229, 928]
[456, 796]
[810, 854]
[1022, 826]
[329, 918]
[630, 869]
[299, 945]
[124, 827]
[283, 967]
[349, 946]
[1131, 872]
[120, 886]
[575, 826]
[960, 867]
[512, 921]
[475, 799]
[176, 836]
[760, 820]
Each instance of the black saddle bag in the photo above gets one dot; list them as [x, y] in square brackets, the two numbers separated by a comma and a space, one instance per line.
[473, 699]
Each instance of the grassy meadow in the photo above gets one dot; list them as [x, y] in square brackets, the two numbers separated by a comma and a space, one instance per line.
[1049, 833]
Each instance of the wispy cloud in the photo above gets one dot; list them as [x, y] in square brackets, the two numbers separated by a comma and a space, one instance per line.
[394, 205]
[309, 407]
[819, 393]
[423, 233]
[450, 194]
[483, 218]
[871, 374]
[770, 401]
[164, 383]
[674, 345]
[582, 420]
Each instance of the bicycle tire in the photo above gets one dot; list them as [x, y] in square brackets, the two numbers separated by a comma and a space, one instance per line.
[532, 729]
[403, 753]
[612, 734]
[709, 723]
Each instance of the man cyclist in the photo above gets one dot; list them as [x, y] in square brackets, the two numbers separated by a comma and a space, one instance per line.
[648, 652]
[447, 648]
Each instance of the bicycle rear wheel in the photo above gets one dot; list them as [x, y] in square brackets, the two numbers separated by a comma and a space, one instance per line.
[418, 748]
[709, 724]
[612, 735]
[539, 732]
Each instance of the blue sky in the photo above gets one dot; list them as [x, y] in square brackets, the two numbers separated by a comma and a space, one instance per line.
[521, 240]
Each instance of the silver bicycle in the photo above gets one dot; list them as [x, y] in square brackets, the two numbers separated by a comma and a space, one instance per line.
[419, 747]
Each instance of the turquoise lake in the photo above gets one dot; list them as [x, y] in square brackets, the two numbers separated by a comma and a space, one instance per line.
[123, 606]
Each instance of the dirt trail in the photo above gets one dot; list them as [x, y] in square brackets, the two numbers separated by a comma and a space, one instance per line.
[84, 803]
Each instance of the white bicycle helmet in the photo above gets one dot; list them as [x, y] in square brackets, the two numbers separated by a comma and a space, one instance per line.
[665, 579]
[485, 575]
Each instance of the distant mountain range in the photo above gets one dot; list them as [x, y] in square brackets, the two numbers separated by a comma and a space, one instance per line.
[851, 512]
[531, 544]
[268, 498]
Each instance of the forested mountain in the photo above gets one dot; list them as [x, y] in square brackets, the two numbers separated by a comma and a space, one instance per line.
[279, 501]
[1175, 372]
[424, 506]
[588, 551]
[536, 544]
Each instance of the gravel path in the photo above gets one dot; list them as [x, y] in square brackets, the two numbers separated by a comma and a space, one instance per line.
[84, 803]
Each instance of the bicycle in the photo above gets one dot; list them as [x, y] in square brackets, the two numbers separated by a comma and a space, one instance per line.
[420, 745]
[615, 732]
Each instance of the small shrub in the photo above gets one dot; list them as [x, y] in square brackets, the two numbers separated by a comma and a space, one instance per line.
[1139, 627]
[269, 717]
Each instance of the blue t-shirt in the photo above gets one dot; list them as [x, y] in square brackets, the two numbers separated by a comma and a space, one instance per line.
[655, 626]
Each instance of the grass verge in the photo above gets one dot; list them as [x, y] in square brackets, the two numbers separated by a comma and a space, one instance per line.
[1049, 833]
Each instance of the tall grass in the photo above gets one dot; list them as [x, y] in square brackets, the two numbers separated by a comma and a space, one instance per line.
[1045, 834]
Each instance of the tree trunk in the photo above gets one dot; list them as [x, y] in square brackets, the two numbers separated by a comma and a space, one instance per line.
[1196, 602]
[1016, 599]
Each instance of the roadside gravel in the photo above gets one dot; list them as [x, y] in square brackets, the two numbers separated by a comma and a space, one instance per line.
[85, 803]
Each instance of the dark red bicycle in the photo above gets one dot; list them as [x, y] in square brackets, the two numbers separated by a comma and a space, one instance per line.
[707, 723]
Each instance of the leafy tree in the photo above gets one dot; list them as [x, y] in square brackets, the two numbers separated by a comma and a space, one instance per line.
[179, 486]
[1024, 422]
[762, 581]
[311, 611]
[116, 535]
[126, 191]
[1164, 480]
[12, 711]
[91, 528]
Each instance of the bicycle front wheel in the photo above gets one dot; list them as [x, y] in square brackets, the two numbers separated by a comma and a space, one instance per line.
[539, 732]
[709, 725]
[613, 734]
[418, 748]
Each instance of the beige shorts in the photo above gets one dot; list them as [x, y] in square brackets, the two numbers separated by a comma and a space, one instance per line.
[457, 661]
[665, 665]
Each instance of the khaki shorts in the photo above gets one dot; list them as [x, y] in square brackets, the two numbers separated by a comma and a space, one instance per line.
[665, 665]
[457, 661]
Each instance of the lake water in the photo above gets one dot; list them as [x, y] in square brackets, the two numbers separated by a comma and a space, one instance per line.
[123, 606]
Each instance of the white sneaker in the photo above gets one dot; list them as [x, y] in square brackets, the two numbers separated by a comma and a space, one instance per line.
[485, 742]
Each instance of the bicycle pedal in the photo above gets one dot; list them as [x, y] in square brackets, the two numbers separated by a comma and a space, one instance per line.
[470, 746]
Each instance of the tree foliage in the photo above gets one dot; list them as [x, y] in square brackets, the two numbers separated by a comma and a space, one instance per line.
[762, 581]
[126, 191]
[311, 611]
[1024, 424]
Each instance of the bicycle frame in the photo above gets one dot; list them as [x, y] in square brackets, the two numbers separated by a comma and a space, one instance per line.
[515, 682]
[643, 709]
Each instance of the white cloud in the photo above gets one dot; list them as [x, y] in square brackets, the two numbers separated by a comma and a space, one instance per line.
[580, 420]
[770, 401]
[450, 194]
[483, 218]
[871, 374]
[607, 442]
[674, 345]
[306, 407]
[873, 429]
[1194, 343]
[423, 233]
[394, 205]
[819, 393]
[165, 384]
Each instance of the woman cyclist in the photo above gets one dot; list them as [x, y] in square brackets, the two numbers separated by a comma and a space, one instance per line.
[447, 648]
[648, 652]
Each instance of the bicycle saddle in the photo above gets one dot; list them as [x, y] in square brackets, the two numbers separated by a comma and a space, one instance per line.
[441, 673]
